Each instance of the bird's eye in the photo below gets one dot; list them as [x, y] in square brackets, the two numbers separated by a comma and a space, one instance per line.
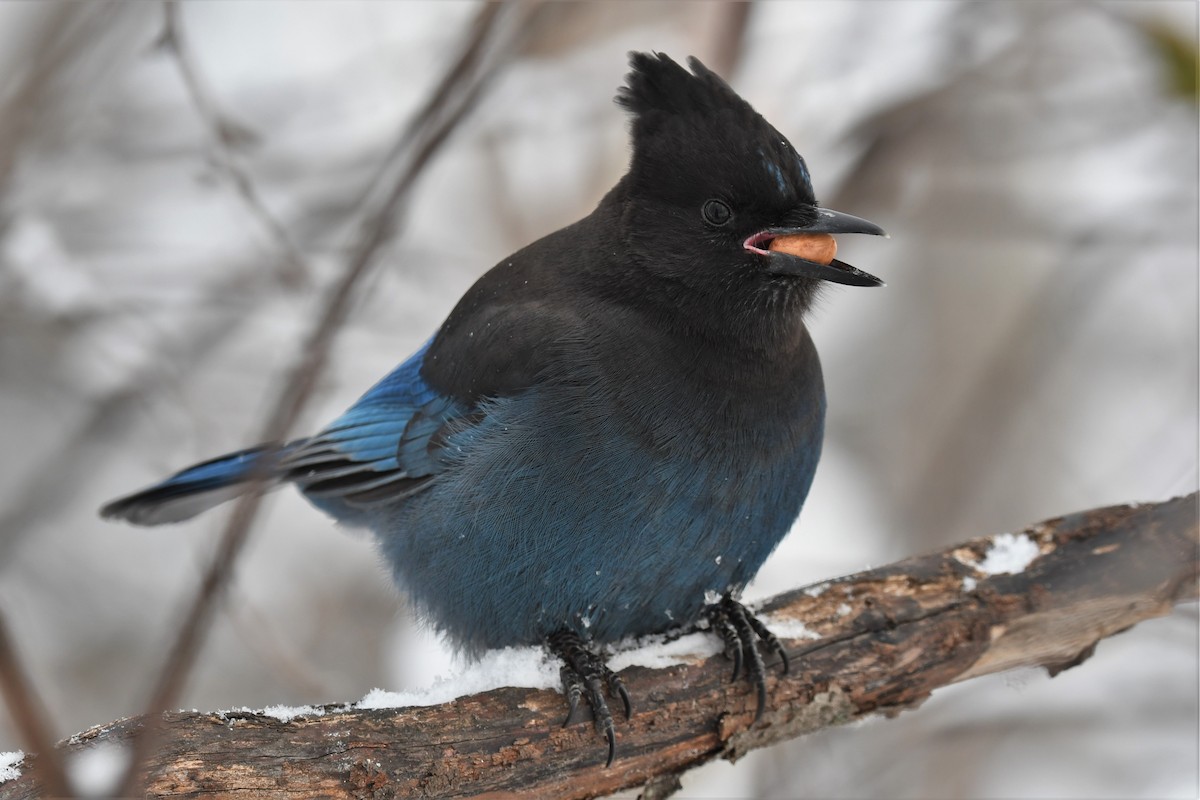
[716, 213]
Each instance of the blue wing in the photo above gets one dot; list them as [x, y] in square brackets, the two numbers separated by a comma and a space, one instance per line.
[386, 446]
[188, 492]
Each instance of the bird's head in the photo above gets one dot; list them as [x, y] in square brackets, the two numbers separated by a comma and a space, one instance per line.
[718, 200]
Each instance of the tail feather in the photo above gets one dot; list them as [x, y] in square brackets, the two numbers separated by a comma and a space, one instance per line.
[188, 492]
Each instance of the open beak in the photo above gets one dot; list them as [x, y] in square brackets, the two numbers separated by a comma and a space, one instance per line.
[808, 251]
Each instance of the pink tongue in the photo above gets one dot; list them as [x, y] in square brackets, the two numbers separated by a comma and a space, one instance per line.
[816, 247]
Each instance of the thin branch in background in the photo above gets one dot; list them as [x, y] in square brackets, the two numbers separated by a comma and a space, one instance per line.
[952, 474]
[227, 303]
[226, 136]
[30, 717]
[732, 21]
[482, 27]
[274, 651]
[74, 460]
[295, 393]
[48, 53]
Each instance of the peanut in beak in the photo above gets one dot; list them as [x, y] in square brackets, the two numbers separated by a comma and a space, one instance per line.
[820, 248]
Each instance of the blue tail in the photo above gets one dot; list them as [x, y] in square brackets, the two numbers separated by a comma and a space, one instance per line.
[185, 494]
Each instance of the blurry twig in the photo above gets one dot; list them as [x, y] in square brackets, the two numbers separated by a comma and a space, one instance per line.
[469, 55]
[376, 229]
[75, 460]
[59, 38]
[30, 717]
[275, 652]
[293, 269]
[732, 21]
[952, 477]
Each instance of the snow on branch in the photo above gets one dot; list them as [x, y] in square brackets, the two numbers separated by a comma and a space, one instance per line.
[877, 642]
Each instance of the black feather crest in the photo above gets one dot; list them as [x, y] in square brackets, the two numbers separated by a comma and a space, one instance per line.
[658, 84]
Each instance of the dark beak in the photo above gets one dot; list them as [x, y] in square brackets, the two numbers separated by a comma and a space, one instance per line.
[830, 222]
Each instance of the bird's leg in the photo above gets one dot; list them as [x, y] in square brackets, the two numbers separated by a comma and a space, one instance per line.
[584, 674]
[741, 632]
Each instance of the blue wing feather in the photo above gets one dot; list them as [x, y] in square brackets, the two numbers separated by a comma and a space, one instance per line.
[189, 491]
[383, 448]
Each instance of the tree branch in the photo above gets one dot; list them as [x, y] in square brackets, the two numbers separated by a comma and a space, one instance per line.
[876, 642]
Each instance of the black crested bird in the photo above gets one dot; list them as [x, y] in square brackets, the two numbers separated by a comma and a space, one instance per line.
[616, 424]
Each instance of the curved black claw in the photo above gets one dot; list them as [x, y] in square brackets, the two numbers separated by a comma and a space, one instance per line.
[584, 673]
[769, 639]
[741, 632]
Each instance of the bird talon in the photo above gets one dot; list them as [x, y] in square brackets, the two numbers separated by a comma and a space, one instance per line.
[573, 689]
[617, 686]
[760, 684]
[719, 621]
[741, 633]
[584, 674]
[769, 639]
[783, 656]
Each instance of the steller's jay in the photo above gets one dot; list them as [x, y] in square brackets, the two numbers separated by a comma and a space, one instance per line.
[615, 425]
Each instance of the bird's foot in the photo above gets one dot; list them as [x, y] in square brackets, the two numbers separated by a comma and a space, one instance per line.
[584, 674]
[741, 633]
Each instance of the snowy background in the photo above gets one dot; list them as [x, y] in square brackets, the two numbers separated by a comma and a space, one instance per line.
[1035, 351]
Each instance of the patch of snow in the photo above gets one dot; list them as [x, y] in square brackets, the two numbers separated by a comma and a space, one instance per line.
[10, 765]
[969, 584]
[711, 597]
[1009, 554]
[818, 590]
[289, 713]
[786, 628]
[657, 652]
[530, 667]
[844, 609]
[96, 771]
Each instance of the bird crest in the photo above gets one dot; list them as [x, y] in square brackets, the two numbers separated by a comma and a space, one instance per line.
[676, 111]
[658, 84]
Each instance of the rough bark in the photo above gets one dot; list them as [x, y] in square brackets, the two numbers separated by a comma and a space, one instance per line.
[888, 638]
